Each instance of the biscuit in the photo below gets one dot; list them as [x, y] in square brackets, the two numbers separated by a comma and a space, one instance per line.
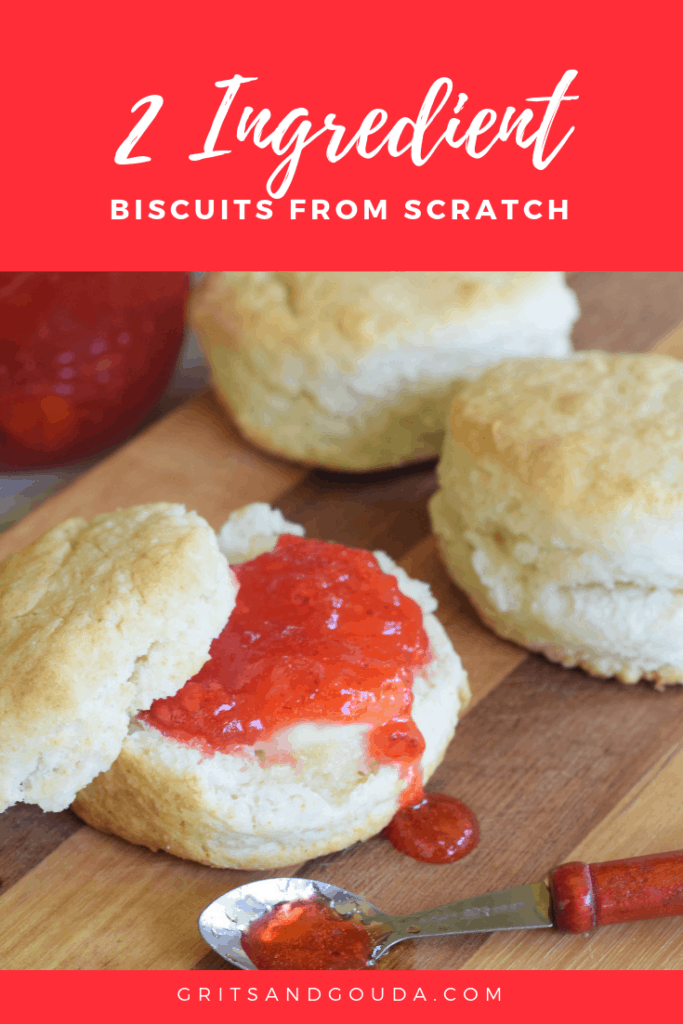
[97, 620]
[560, 509]
[249, 811]
[355, 371]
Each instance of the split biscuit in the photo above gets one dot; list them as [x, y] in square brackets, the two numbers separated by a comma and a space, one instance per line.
[252, 809]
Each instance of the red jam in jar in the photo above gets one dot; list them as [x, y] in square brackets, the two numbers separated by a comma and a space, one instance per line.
[319, 634]
[438, 829]
[307, 935]
[84, 357]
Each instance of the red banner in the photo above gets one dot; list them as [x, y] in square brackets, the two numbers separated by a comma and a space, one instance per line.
[180, 997]
[367, 136]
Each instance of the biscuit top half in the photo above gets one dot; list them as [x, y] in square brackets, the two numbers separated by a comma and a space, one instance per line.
[581, 444]
[97, 620]
[351, 311]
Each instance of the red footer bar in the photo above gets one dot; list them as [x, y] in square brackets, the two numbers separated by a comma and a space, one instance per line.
[180, 997]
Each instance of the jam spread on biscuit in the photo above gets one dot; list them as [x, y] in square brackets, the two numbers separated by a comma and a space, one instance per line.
[438, 829]
[319, 634]
[307, 935]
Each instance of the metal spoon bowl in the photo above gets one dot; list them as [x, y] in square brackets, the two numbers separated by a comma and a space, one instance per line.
[224, 921]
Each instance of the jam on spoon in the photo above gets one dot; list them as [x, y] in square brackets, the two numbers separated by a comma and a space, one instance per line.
[308, 935]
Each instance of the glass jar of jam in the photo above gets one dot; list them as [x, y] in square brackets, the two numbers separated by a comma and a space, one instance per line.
[84, 358]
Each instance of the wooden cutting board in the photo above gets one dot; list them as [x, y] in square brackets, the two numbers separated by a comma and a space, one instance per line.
[557, 765]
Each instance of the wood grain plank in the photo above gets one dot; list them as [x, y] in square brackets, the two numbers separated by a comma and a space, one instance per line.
[99, 903]
[672, 343]
[27, 835]
[371, 510]
[648, 819]
[625, 312]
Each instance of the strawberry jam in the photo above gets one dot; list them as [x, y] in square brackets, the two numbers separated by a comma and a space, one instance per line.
[319, 634]
[307, 935]
[439, 829]
[84, 358]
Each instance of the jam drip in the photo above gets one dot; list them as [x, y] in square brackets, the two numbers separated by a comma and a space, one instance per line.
[439, 829]
[307, 935]
[319, 634]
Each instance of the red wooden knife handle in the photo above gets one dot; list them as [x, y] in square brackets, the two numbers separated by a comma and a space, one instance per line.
[586, 895]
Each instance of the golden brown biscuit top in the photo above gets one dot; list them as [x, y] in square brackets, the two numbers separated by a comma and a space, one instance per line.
[97, 620]
[310, 308]
[66, 600]
[593, 433]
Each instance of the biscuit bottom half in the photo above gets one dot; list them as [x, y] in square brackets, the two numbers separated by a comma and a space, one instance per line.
[619, 629]
[241, 811]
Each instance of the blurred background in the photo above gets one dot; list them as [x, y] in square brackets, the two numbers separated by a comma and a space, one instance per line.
[87, 360]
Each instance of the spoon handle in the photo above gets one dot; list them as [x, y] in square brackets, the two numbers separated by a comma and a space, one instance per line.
[523, 906]
[636, 889]
[583, 896]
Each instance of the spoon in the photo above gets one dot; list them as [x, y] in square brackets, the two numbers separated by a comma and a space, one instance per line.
[579, 897]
